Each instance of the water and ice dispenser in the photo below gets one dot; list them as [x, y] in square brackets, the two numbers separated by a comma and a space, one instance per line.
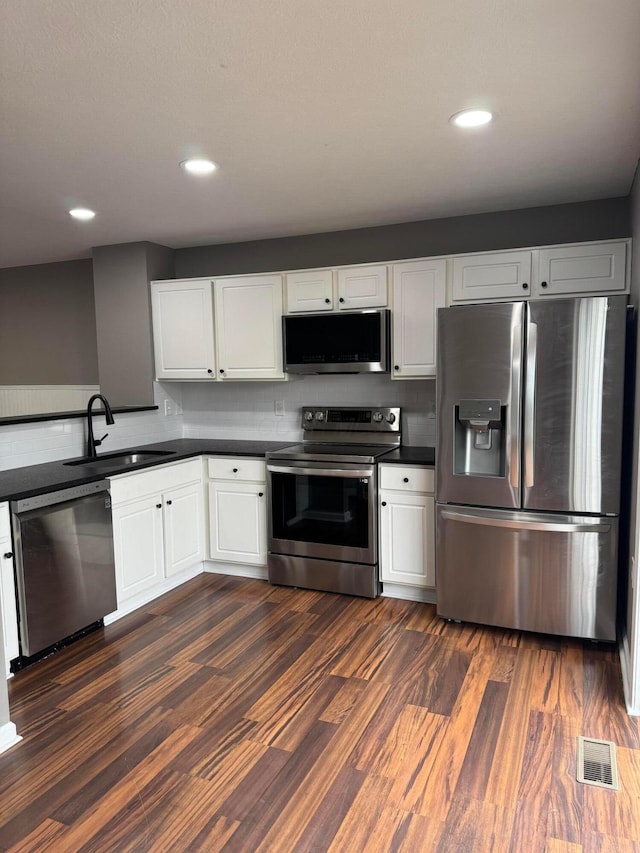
[479, 427]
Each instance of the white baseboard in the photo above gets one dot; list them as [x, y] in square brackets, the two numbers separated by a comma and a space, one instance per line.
[148, 595]
[409, 593]
[8, 736]
[632, 702]
[238, 570]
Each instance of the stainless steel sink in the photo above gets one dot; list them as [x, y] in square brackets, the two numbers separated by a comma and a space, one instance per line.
[120, 460]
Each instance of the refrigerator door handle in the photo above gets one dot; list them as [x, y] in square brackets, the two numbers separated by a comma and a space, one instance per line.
[530, 403]
[487, 520]
[514, 408]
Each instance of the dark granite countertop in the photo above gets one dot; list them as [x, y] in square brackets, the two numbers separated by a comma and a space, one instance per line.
[407, 455]
[50, 476]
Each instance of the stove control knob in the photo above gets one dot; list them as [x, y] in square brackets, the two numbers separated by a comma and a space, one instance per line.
[391, 418]
[308, 416]
[320, 416]
[377, 417]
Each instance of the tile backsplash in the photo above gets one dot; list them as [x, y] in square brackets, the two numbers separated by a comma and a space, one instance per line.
[48, 441]
[247, 410]
[224, 410]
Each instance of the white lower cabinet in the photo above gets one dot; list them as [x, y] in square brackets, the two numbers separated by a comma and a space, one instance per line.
[8, 590]
[138, 543]
[407, 526]
[238, 511]
[158, 526]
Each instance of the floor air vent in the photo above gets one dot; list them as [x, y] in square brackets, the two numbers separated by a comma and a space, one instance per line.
[597, 763]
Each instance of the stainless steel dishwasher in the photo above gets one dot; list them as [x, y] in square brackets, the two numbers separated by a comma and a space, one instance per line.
[64, 563]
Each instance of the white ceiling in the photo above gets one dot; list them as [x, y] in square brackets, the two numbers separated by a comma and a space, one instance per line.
[323, 114]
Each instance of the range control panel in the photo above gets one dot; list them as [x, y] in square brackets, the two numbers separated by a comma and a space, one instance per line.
[345, 419]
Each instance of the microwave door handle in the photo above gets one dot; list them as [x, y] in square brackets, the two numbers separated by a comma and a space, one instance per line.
[320, 472]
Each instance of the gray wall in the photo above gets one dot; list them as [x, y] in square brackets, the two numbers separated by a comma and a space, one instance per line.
[536, 226]
[121, 276]
[48, 325]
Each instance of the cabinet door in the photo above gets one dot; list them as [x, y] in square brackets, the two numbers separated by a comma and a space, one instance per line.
[183, 528]
[504, 275]
[419, 289]
[249, 327]
[8, 603]
[138, 546]
[238, 522]
[310, 291]
[577, 270]
[407, 539]
[362, 287]
[183, 340]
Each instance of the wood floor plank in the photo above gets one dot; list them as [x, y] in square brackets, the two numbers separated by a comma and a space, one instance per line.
[596, 708]
[357, 830]
[533, 792]
[545, 691]
[332, 811]
[287, 730]
[344, 700]
[230, 714]
[433, 797]
[410, 724]
[478, 827]
[556, 845]
[509, 752]
[296, 685]
[412, 781]
[313, 787]
[565, 795]
[47, 835]
[285, 787]
[127, 796]
[478, 759]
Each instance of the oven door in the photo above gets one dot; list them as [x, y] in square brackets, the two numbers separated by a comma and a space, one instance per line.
[321, 510]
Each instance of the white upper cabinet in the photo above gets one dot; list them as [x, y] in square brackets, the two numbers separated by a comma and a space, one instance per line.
[580, 269]
[419, 289]
[502, 275]
[310, 290]
[249, 327]
[183, 336]
[362, 287]
[587, 268]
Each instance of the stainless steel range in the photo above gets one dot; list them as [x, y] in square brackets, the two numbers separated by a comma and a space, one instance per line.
[323, 528]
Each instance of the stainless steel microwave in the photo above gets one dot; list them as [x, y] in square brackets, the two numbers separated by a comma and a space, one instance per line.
[344, 342]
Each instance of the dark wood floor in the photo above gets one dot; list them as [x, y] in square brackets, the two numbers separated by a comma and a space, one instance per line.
[231, 715]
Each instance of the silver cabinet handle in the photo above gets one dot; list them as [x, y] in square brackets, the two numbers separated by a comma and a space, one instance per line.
[530, 403]
[544, 526]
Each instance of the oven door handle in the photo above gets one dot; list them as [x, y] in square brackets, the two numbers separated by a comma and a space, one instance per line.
[322, 472]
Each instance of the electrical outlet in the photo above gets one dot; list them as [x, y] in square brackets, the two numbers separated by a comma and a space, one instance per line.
[279, 407]
[168, 407]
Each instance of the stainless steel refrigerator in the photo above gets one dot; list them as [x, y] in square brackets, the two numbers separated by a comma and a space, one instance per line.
[529, 401]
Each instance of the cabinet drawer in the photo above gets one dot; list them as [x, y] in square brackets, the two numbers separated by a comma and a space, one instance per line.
[230, 468]
[407, 478]
[5, 522]
[126, 487]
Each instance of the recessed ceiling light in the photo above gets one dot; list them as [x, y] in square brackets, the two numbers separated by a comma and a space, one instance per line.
[199, 167]
[471, 118]
[82, 213]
